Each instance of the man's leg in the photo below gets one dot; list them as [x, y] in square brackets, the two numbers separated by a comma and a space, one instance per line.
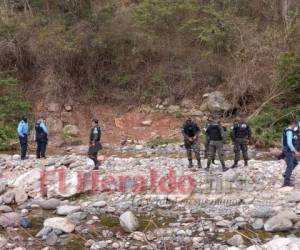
[196, 149]
[188, 148]
[211, 154]
[206, 146]
[236, 154]
[221, 155]
[244, 148]
[291, 164]
[23, 144]
[38, 149]
[43, 149]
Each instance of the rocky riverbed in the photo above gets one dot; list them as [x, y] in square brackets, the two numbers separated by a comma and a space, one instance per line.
[145, 202]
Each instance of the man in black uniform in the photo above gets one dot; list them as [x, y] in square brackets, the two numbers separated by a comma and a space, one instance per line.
[95, 145]
[190, 131]
[215, 132]
[209, 121]
[41, 137]
[241, 134]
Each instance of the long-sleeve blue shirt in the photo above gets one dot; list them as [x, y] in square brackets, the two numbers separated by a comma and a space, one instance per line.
[289, 136]
[22, 128]
[43, 126]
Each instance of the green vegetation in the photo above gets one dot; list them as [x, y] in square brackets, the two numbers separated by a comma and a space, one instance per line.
[269, 124]
[157, 141]
[12, 107]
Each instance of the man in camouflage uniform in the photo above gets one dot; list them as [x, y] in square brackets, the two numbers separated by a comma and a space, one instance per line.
[215, 132]
[190, 131]
[209, 121]
[241, 134]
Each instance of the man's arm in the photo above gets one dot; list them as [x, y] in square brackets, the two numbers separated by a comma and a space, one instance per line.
[289, 135]
[249, 132]
[20, 128]
[43, 126]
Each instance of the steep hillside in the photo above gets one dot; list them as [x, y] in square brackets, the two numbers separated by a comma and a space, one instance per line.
[143, 51]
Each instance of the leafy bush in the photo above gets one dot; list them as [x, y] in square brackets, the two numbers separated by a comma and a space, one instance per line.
[163, 15]
[12, 107]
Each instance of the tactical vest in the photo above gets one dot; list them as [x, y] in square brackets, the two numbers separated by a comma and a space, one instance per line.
[190, 129]
[214, 132]
[241, 130]
[40, 133]
[295, 139]
[96, 134]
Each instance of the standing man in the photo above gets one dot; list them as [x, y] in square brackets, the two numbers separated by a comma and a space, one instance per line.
[289, 142]
[41, 137]
[23, 136]
[209, 121]
[215, 132]
[190, 131]
[241, 134]
[95, 145]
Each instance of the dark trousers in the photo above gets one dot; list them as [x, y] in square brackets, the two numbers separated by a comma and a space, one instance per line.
[24, 145]
[291, 163]
[41, 149]
[93, 153]
[190, 147]
[240, 145]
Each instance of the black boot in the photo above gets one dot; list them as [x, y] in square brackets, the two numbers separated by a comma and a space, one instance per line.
[199, 164]
[235, 164]
[246, 163]
[224, 169]
[287, 184]
[190, 164]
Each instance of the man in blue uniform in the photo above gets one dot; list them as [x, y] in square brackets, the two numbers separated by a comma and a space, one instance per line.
[95, 145]
[41, 132]
[23, 136]
[289, 142]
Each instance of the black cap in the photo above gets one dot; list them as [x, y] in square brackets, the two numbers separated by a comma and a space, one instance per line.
[24, 119]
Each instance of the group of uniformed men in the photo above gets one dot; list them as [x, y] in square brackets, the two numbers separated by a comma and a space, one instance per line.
[240, 135]
[215, 138]
[41, 138]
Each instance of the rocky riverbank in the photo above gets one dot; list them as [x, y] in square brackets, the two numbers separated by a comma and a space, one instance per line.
[145, 203]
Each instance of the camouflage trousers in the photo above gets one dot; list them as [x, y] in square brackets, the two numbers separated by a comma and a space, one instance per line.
[241, 145]
[190, 147]
[213, 148]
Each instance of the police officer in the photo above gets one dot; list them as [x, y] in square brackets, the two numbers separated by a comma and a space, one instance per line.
[41, 137]
[95, 145]
[215, 132]
[209, 121]
[289, 142]
[23, 136]
[190, 131]
[241, 134]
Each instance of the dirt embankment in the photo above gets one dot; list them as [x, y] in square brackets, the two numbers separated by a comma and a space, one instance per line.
[117, 123]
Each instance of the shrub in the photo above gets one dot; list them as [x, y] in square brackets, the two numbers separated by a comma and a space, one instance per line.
[12, 107]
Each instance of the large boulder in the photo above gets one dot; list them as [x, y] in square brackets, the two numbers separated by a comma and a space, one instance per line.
[54, 124]
[49, 204]
[236, 240]
[20, 195]
[261, 211]
[63, 224]
[129, 222]
[11, 219]
[67, 209]
[71, 130]
[53, 107]
[278, 224]
[215, 102]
